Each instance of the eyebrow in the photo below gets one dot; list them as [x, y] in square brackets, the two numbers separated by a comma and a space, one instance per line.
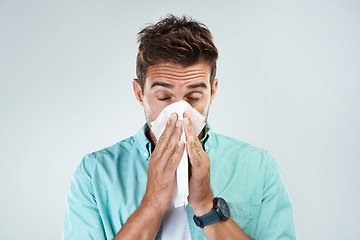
[162, 84]
[197, 85]
[167, 85]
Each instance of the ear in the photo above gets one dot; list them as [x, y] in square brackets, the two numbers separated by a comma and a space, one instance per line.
[214, 89]
[137, 91]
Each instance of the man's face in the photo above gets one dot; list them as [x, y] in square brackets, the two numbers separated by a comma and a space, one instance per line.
[168, 83]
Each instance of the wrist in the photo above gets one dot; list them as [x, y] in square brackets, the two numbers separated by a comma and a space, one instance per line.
[155, 208]
[220, 212]
[204, 207]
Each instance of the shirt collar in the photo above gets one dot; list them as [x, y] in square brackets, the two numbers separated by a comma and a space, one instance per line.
[208, 140]
[142, 142]
[144, 145]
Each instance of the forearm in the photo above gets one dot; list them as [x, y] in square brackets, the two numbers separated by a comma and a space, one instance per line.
[144, 223]
[225, 230]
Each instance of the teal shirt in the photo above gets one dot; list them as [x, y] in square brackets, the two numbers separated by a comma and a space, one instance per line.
[109, 185]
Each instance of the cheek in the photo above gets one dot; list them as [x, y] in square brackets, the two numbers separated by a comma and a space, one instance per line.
[202, 111]
[202, 107]
[152, 109]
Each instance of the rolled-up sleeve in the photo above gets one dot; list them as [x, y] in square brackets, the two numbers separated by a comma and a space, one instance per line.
[276, 219]
[82, 219]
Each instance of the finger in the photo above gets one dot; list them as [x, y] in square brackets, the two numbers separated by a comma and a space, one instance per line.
[189, 131]
[175, 159]
[195, 153]
[162, 143]
[167, 149]
[171, 145]
[194, 147]
[186, 114]
[163, 140]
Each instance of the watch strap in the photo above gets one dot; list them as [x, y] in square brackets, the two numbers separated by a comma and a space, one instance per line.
[207, 219]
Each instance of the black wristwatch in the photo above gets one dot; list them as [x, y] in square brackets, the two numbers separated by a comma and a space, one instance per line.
[219, 212]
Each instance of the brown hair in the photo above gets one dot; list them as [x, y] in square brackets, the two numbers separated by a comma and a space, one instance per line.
[177, 40]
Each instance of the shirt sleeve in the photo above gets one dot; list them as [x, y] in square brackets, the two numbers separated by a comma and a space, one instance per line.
[276, 219]
[82, 219]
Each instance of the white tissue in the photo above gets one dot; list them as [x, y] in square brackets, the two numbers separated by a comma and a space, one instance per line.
[158, 127]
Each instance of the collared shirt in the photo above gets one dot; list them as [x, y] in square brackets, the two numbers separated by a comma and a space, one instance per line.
[109, 185]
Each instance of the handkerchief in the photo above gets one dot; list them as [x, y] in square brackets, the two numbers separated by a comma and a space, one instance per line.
[158, 127]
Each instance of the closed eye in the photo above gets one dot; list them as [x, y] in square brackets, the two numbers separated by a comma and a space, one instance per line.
[163, 99]
[194, 99]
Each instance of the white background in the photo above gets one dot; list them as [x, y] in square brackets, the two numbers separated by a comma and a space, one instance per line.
[288, 82]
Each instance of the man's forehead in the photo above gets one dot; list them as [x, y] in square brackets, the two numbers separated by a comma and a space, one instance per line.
[173, 73]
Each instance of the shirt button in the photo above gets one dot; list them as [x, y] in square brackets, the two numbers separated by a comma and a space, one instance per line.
[145, 154]
[207, 148]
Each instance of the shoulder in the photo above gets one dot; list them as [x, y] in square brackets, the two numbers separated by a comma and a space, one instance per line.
[243, 152]
[107, 156]
[223, 140]
[113, 150]
[234, 145]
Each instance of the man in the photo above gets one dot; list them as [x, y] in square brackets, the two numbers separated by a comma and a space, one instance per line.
[124, 191]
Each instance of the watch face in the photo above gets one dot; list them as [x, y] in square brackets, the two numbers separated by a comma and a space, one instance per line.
[224, 208]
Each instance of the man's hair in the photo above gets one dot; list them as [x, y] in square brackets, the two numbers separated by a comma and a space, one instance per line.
[175, 40]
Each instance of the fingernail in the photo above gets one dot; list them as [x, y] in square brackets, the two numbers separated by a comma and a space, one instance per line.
[186, 121]
[178, 123]
[173, 116]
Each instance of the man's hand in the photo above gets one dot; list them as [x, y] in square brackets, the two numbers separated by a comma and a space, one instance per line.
[200, 195]
[163, 163]
[161, 184]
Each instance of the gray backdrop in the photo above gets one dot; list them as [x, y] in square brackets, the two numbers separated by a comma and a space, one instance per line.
[288, 82]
